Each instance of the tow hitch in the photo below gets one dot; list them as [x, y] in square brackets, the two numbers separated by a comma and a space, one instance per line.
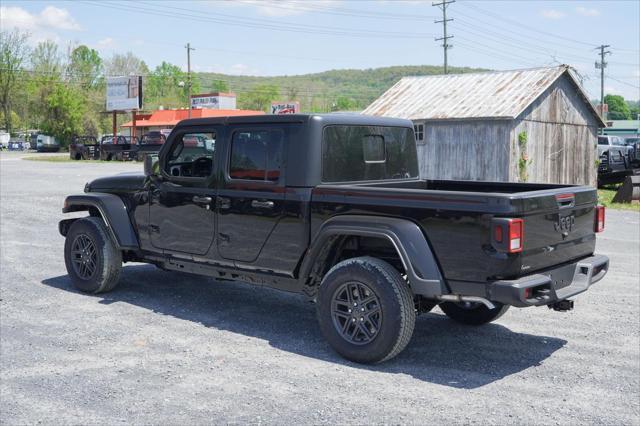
[562, 306]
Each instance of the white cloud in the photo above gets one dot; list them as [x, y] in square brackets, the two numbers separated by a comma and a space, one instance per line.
[552, 14]
[58, 18]
[585, 11]
[50, 17]
[279, 8]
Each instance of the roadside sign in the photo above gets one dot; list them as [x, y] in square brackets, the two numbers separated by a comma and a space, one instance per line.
[124, 93]
[285, 108]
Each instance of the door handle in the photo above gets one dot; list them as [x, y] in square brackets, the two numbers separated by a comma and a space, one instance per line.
[201, 200]
[262, 204]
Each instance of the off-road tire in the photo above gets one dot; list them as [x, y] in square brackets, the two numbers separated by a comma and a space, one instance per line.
[396, 305]
[475, 314]
[108, 259]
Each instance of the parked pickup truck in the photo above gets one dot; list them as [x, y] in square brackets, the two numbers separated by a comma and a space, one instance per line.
[332, 206]
[615, 159]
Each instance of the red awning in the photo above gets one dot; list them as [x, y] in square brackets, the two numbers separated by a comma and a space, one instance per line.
[171, 117]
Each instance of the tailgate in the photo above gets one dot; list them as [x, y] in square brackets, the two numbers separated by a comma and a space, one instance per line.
[558, 227]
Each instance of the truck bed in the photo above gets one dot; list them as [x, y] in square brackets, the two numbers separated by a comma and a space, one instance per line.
[456, 218]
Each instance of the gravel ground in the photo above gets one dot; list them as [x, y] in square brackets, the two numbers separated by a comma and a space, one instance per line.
[174, 349]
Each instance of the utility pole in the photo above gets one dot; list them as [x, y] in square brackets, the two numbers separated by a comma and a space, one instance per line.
[189, 49]
[445, 39]
[601, 66]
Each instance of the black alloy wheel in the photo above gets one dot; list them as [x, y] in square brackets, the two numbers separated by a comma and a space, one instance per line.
[356, 312]
[84, 256]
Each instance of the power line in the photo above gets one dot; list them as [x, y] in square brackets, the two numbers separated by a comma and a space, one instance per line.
[231, 20]
[623, 82]
[445, 38]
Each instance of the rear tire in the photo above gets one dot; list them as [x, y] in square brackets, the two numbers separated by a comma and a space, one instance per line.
[472, 313]
[366, 310]
[92, 259]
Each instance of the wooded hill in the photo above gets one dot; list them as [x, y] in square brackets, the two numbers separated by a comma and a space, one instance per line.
[345, 89]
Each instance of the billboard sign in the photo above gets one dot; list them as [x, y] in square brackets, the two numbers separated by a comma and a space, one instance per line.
[124, 93]
[285, 108]
[214, 101]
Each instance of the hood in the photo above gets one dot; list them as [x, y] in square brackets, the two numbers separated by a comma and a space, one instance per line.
[124, 182]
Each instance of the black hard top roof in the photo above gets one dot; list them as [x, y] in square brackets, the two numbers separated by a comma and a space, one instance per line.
[326, 119]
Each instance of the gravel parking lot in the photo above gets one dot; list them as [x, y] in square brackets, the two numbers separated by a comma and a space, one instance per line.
[175, 349]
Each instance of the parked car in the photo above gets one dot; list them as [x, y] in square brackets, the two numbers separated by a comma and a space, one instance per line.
[149, 143]
[18, 145]
[46, 143]
[614, 159]
[634, 152]
[117, 148]
[84, 148]
[4, 140]
[332, 207]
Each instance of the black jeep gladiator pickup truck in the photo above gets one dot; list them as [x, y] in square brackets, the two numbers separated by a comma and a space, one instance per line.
[332, 206]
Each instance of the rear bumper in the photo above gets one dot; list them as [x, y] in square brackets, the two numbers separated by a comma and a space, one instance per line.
[540, 289]
[550, 286]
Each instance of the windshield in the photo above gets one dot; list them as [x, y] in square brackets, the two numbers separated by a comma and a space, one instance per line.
[362, 153]
[602, 140]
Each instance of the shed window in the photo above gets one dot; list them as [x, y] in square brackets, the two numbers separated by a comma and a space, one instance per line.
[419, 131]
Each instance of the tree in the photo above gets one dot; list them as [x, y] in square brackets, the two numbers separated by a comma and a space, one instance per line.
[344, 104]
[617, 107]
[260, 97]
[634, 109]
[125, 64]
[67, 110]
[14, 52]
[46, 64]
[85, 66]
[167, 85]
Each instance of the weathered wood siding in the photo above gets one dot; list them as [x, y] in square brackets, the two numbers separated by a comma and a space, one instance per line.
[466, 150]
[561, 138]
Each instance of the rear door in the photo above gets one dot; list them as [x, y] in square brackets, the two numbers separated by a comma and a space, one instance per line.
[251, 196]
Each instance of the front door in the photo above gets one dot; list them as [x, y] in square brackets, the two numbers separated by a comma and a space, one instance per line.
[182, 200]
[251, 198]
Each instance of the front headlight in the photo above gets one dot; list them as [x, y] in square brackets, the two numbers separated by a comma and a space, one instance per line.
[87, 187]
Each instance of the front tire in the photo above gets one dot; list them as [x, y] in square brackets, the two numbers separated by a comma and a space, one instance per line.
[366, 310]
[92, 259]
[473, 313]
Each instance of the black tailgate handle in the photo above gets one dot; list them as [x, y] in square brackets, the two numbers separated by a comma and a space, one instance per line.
[566, 200]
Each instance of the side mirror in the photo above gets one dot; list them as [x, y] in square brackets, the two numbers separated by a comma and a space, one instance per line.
[151, 165]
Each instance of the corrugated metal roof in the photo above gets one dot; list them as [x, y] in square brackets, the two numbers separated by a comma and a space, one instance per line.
[494, 95]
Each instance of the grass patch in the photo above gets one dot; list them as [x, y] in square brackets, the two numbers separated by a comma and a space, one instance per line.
[605, 197]
[50, 158]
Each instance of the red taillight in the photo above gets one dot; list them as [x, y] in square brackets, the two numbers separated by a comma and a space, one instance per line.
[599, 225]
[507, 235]
[516, 235]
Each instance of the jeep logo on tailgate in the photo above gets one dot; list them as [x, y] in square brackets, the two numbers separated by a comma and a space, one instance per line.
[564, 224]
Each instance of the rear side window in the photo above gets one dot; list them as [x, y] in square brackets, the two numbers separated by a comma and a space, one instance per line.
[256, 155]
[361, 153]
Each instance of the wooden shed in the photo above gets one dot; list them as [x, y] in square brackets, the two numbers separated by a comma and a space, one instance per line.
[532, 125]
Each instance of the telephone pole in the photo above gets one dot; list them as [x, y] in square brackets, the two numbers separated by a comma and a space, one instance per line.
[601, 66]
[445, 38]
[189, 49]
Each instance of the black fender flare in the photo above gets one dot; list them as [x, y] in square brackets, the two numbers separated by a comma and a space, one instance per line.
[113, 211]
[413, 248]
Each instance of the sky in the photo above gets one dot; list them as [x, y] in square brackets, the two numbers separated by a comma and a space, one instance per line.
[288, 37]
